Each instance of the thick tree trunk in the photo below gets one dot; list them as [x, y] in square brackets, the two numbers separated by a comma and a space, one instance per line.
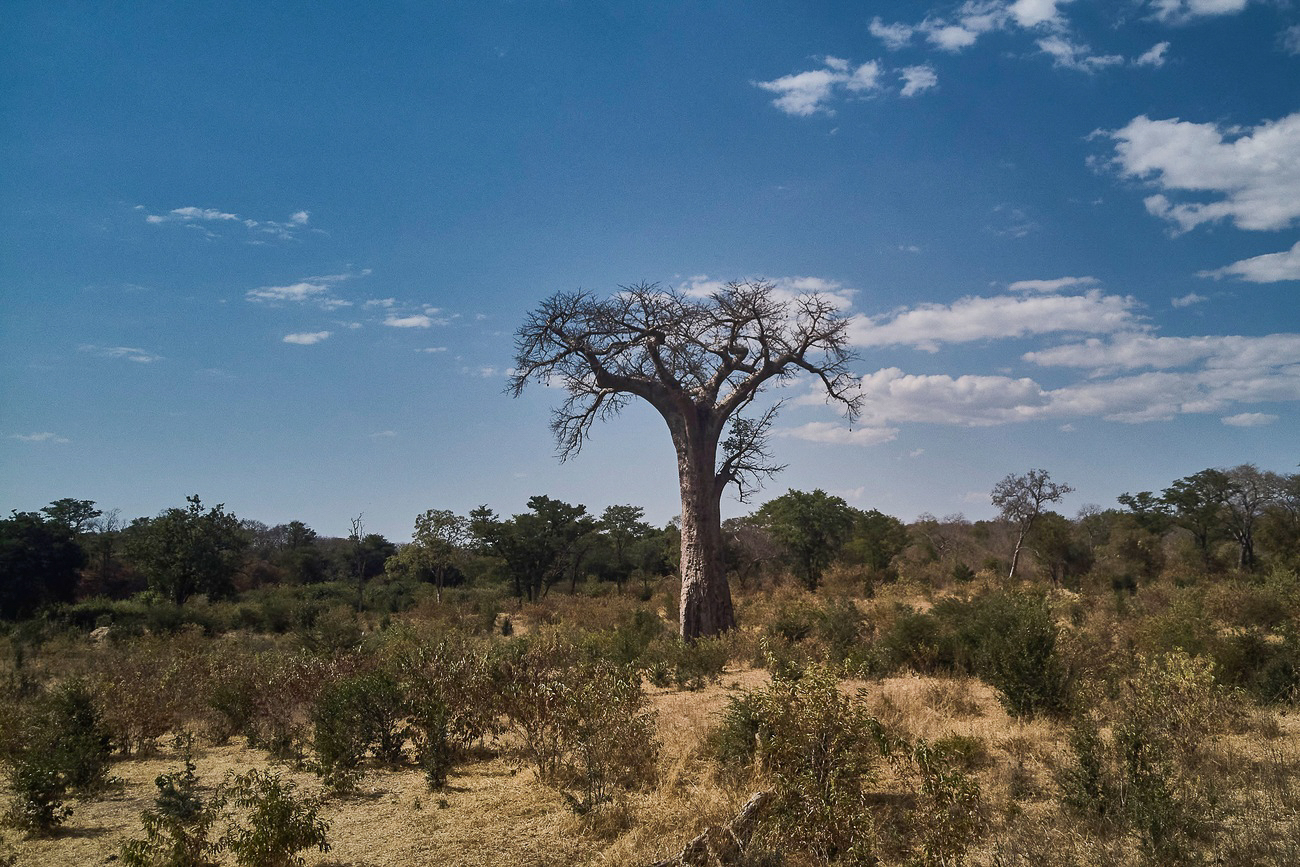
[706, 599]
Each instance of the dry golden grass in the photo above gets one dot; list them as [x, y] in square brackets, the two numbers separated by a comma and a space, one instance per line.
[495, 812]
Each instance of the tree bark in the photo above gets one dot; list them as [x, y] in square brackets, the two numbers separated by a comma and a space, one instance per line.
[705, 597]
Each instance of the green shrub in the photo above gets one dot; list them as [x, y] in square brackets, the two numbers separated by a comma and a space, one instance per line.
[1015, 652]
[60, 745]
[176, 829]
[275, 823]
[584, 725]
[351, 717]
[817, 748]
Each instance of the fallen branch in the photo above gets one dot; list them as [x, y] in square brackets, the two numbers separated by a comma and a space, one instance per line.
[719, 846]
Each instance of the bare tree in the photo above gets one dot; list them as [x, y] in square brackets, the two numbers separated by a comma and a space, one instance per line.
[1020, 499]
[699, 362]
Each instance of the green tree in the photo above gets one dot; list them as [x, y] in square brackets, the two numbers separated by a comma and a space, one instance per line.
[812, 527]
[40, 562]
[1197, 501]
[1248, 492]
[76, 515]
[700, 362]
[622, 528]
[1020, 500]
[875, 540]
[438, 538]
[1058, 548]
[190, 550]
[539, 547]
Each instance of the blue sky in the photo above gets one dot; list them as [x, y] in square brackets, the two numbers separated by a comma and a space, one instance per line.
[275, 253]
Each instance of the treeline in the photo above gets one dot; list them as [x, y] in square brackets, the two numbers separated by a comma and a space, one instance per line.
[1211, 522]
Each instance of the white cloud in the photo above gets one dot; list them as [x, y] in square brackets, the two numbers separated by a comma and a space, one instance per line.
[804, 94]
[1052, 285]
[129, 353]
[1074, 55]
[895, 36]
[926, 326]
[307, 338]
[1249, 419]
[1268, 268]
[42, 437]
[951, 37]
[839, 434]
[1132, 350]
[433, 349]
[301, 291]
[1178, 11]
[1188, 300]
[1253, 172]
[417, 321]
[916, 453]
[314, 289]
[381, 302]
[918, 79]
[785, 288]
[891, 396]
[383, 434]
[1032, 13]
[1154, 56]
[1290, 39]
[194, 217]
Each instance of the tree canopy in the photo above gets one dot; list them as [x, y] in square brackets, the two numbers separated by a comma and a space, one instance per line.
[700, 362]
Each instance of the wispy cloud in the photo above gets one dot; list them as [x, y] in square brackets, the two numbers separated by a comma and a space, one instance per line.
[417, 321]
[317, 290]
[1268, 268]
[1181, 11]
[1188, 300]
[205, 219]
[1055, 285]
[1253, 171]
[927, 326]
[1249, 419]
[918, 79]
[129, 353]
[42, 437]
[1154, 56]
[307, 338]
[1068, 54]
[804, 94]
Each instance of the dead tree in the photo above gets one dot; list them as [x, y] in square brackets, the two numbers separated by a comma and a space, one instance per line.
[699, 362]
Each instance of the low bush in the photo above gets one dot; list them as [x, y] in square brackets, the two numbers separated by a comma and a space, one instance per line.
[270, 823]
[352, 717]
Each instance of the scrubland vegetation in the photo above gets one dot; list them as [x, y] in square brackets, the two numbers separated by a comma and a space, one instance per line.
[193, 689]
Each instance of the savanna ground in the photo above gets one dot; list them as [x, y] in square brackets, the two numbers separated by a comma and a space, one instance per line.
[973, 722]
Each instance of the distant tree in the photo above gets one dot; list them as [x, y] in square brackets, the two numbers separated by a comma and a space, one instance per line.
[875, 540]
[76, 515]
[1197, 503]
[1058, 549]
[1152, 513]
[749, 547]
[623, 527]
[438, 538]
[39, 564]
[1020, 500]
[1281, 528]
[1246, 494]
[812, 527]
[188, 551]
[700, 362]
[539, 547]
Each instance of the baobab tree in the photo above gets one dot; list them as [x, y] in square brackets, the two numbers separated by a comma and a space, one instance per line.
[1020, 500]
[700, 362]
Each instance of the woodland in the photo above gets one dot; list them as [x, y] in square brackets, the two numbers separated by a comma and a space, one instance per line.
[1115, 687]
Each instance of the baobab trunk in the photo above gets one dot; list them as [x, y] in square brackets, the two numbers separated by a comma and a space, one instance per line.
[705, 598]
